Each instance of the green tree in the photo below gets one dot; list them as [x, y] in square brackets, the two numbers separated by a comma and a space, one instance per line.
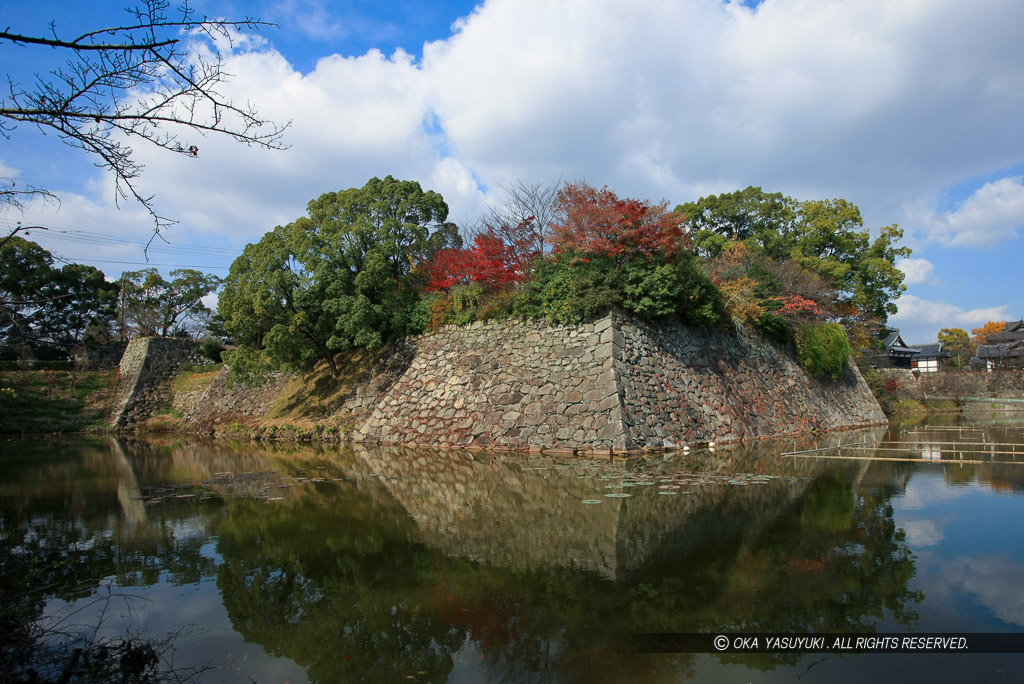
[154, 306]
[45, 306]
[338, 279]
[25, 271]
[750, 214]
[957, 343]
[826, 237]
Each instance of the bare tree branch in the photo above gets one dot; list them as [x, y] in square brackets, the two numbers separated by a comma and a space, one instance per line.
[535, 202]
[137, 81]
[15, 197]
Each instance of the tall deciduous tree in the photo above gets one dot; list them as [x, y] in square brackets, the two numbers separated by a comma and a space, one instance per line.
[531, 205]
[151, 78]
[980, 335]
[957, 343]
[154, 306]
[599, 222]
[337, 279]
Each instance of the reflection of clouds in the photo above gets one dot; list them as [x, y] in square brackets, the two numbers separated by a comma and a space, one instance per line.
[995, 582]
[923, 533]
[928, 488]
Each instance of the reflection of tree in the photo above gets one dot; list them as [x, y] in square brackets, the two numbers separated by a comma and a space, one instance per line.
[339, 585]
[337, 576]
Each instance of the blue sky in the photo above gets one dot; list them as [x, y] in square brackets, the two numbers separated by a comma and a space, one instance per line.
[912, 110]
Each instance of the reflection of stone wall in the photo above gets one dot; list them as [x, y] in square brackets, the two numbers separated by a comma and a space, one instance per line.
[147, 368]
[499, 510]
[526, 513]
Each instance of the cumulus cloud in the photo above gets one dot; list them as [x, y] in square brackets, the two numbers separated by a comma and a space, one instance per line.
[914, 310]
[993, 214]
[919, 318]
[921, 533]
[916, 271]
[876, 101]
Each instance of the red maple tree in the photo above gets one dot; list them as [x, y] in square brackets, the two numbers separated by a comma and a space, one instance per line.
[499, 259]
[598, 222]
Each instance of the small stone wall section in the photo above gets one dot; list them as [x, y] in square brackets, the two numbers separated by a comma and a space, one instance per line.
[953, 384]
[146, 370]
[224, 398]
[505, 384]
[685, 385]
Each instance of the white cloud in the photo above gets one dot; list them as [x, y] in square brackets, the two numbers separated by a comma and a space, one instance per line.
[993, 580]
[993, 214]
[920, 319]
[921, 533]
[8, 171]
[877, 101]
[916, 271]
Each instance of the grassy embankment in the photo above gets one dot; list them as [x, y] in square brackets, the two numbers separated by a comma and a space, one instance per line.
[308, 408]
[46, 401]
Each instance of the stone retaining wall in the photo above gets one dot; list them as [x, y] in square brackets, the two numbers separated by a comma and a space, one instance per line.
[507, 384]
[146, 370]
[999, 384]
[231, 399]
[612, 385]
[682, 385]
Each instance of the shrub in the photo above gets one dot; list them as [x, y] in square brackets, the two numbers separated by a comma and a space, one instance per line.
[775, 327]
[211, 348]
[249, 366]
[420, 315]
[569, 290]
[823, 350]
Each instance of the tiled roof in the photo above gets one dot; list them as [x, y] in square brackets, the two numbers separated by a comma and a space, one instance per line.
[1001, 351]
[1008, 336]
[933, 350]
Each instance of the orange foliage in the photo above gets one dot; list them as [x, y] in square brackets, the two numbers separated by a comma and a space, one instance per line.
[980, 335]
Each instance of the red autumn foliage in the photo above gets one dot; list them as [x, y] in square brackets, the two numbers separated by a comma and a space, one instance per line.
[447, 268]
[797, 305]
[499, 259]
[598, 222]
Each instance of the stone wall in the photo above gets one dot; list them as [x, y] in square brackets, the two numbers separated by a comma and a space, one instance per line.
[146, 370]
[611, 385]
[507, 384]
[682, 385]
[958, 385]
[223, 398]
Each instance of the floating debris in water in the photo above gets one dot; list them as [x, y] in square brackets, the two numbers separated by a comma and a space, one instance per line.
[618, 495]
[592, 501]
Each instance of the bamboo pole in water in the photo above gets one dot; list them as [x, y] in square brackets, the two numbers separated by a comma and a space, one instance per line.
[905, 460]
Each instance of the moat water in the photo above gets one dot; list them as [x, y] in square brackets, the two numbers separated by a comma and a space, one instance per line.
[341, 564]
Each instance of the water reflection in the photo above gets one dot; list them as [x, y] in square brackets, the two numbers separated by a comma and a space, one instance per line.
[364, 564]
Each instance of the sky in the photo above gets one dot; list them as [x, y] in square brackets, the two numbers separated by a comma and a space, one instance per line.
[911, 109]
